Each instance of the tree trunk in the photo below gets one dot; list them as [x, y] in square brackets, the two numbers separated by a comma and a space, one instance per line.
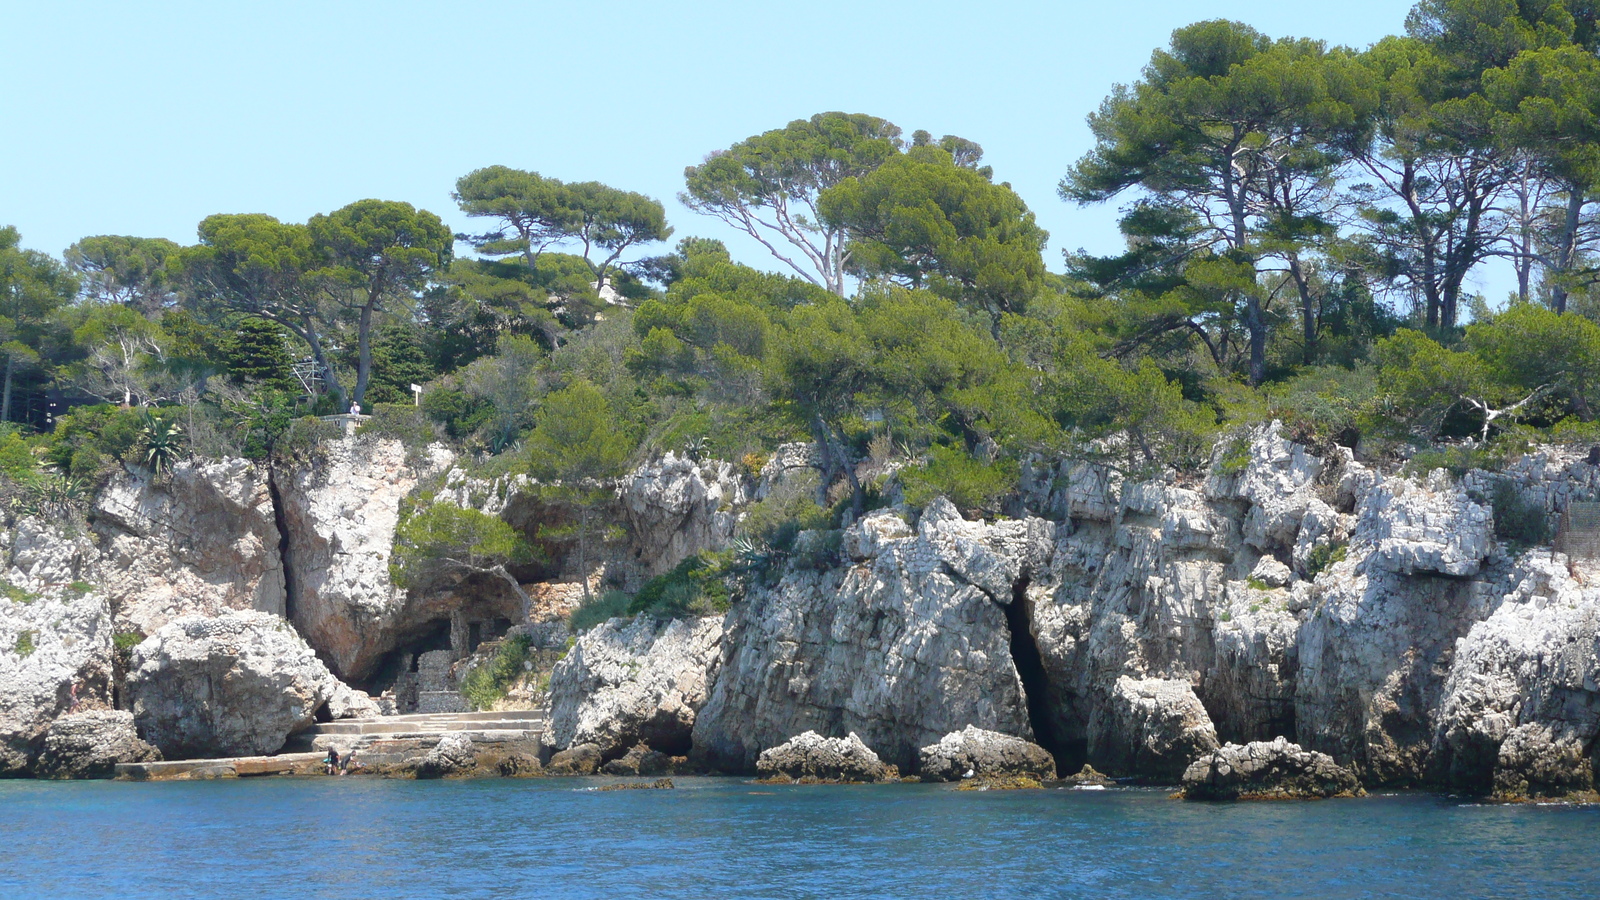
[1308, 309]
[1566, 248]
[5, 405]
[1255, 323]
[583, 551]
[364, 349]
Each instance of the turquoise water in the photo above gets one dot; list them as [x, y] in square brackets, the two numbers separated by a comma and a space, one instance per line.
[360, 838]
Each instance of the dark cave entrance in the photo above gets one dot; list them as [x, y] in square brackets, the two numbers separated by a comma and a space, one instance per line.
[1048, 730]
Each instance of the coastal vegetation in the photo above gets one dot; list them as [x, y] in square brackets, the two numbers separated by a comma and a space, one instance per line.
[1303, 224]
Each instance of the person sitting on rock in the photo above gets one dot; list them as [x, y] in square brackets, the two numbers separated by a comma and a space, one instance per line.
[332, 761]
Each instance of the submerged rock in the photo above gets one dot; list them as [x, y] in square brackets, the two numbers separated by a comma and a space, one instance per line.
[235, 685]
[812, 757]
[1267, 770]
[90, 744]
[976, 753]
[1088, 777]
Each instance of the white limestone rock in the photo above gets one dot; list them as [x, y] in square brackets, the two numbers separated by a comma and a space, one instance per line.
[901, 648]
[976, 753]
[200, 540]
[1151, 726]
[90, 744]
[235, 685]
[676, 507]
[341, 509]
[810, 756]
[51, 639]
[625, 683]
[1261, 770]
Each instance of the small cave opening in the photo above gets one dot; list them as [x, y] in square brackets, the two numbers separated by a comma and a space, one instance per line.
[1048, 730]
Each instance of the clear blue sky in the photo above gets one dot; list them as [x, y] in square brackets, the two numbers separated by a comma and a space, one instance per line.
[143, 118]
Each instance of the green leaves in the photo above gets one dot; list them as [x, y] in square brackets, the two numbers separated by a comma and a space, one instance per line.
[536, 212]
[768, 186]
[922, 219]
[450, 534]
[577, 439]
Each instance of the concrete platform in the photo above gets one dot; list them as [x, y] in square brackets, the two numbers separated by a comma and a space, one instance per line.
[236, 767]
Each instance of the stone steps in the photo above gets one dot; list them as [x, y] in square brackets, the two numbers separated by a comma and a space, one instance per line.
[419, 732]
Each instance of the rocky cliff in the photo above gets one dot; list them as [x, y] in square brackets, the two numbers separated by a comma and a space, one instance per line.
[1139, 626]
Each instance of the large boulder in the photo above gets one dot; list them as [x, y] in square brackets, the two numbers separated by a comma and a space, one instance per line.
[90, 744]
[1263, 770]
[812, 757]
[1151, 727]
[340, 507]
[976, 753]
[201, 540]
[453, 755]
[902, 647]
[54, 641]
[235, 685]
[625, 683]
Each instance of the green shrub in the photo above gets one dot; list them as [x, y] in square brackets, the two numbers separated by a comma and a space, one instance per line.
[488, 682]
[1322, 556]
[402, 422]
[25, 646]
[1257, 584]
[444, 532]
[951, 472]
[15, 594]
[1516, 521]
[698, 586]
[90, 438]
[1235, 457]
[302, 436]
[79, 588]
[16, 457]
[597, 609]
[127, 640]
[790, 508]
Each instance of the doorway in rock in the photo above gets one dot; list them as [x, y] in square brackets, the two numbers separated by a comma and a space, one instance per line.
[1048, 731]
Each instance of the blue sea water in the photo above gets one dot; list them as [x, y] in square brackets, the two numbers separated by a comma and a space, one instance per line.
[713, 838]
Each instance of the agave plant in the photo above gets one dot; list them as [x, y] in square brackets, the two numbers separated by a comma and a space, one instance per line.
[53, 496]
[161, 441]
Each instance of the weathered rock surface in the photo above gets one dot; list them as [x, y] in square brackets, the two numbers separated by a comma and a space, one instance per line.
[51, 640]
[235, 685]
[453, 755]
[340, 510]
[634, 682]
[810, 756]
[974, 752]
[90, 744]
[582, 759]
[902, 647]
[202, 540]
[1521, 710]
[1273, 769]
[1152, 727]
[675, 507]
[639, 760]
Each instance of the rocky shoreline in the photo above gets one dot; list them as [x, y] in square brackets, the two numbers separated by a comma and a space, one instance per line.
[1289, 625]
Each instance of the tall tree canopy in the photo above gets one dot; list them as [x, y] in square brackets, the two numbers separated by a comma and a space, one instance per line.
[768, 186]
[924, 219]
[535, 213]
[122, 269]
[378, 251]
